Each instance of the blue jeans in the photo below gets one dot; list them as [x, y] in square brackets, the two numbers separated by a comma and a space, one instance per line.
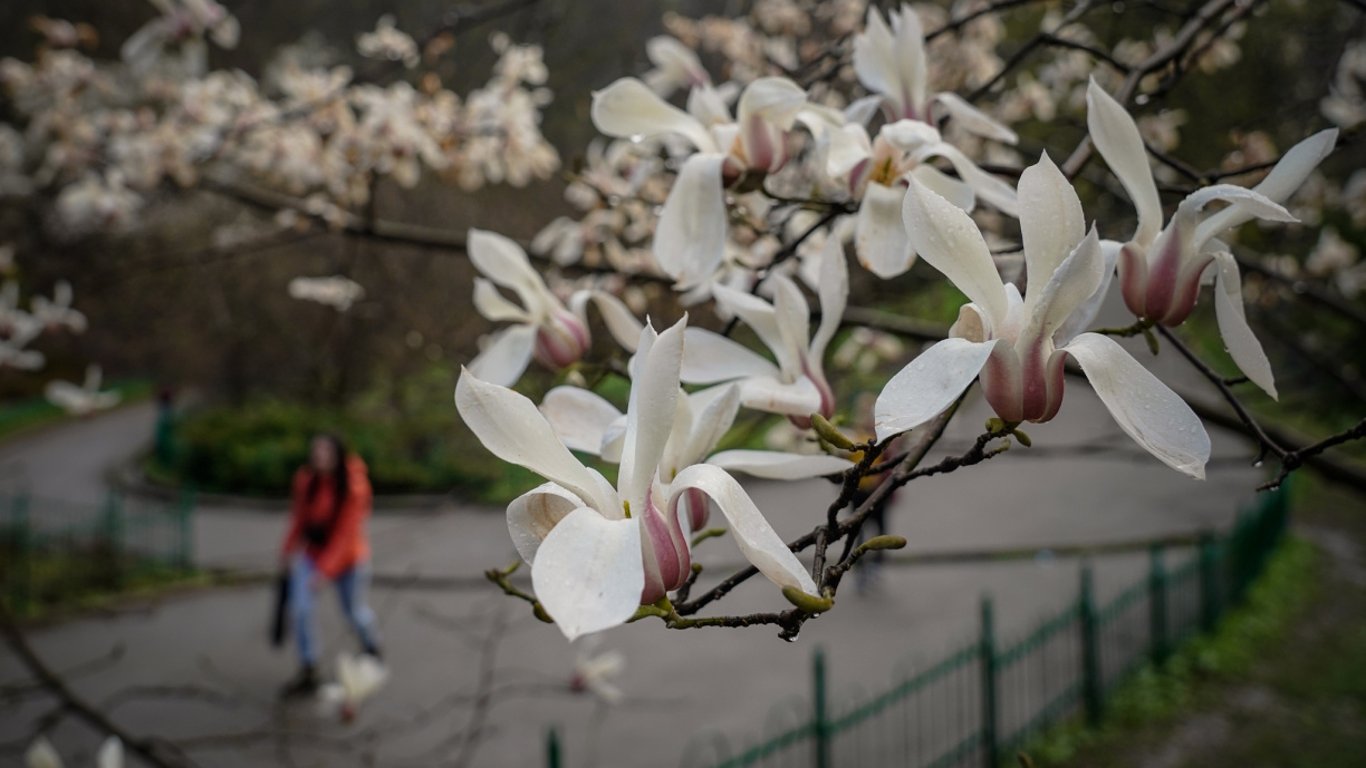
[351, 587]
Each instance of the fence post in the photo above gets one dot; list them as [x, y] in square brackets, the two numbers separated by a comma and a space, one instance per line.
[1157, 605]
[1209, 583]
[987, 650]
[21, 586]
[113, 535]
[820, 725]
[1090, 650]
[184, 517]
[552, 748]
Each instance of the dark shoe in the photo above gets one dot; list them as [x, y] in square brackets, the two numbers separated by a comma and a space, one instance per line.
[303, 684]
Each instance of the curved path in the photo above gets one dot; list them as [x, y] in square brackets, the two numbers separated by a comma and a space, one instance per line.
[1099, 489]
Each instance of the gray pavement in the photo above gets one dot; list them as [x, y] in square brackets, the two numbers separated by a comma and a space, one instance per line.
[1085, 483]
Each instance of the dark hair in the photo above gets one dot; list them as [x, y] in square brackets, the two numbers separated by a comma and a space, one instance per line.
[319, 534]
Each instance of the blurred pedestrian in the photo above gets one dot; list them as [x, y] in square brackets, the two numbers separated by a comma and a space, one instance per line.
[327, 541]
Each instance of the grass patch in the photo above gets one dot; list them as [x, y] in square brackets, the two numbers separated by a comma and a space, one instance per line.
[54, 582]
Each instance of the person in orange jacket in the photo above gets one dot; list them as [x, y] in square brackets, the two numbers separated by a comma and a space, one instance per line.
[327, 542]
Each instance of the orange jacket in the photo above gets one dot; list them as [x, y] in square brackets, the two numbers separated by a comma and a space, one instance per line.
[347, 545]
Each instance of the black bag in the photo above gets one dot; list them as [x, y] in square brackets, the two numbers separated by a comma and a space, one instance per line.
[279, 627]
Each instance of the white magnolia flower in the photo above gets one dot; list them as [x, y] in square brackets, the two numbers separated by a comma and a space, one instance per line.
[57, 312]
[675, 66]
[182, 23]
[891, 62]
[690, 238]
[542, 326]
[597, 552]
[358, 678]
[388, 42]
[796, 386]
[337, 291]
[41, 754]
[1018, 345]
[1161, 268]
[595, 673]
[876, 171]
[585, 421]
[84, 399]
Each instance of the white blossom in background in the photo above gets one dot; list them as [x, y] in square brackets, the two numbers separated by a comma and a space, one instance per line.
[182, 24]
[1019, 345]
[358, 678]
[97, 203]
[676, 67]
[596, 673]
[598, 552]
[336, 291]
[1161, 267]
[41, 754]
[542, 326]
[57, 313]
[389, 43]
[83, 399]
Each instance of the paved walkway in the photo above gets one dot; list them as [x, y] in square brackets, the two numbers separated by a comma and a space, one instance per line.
[677, 683]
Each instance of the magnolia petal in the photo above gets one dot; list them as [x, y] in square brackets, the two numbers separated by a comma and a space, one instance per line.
[110, 754]
[714, 411]
[511, 428]
[709, 357]
[580, 418]
[910, 53]
[506, 356]
[875, 58]
[1145, 408]
[860, 111]
[833, 290]
[492, 304]
[690, 239]
[532, 515]
[799, 398]
[989, 189]
[753, 534]
[774, 100]
[849, 146]
[1245, 204]
[947, 187]
[505, 263]
[928, 384]
[621, 322]
[1117, 139]
[1287, 176]
[1241, 342]
[759, 315]
[1084, 315]
[793, 315]
[948, 239]
[628, 109]
[1051, 221]
[776, 465]
[588, 573]
[879, 236]
[1074, 281]
[974, 120]
[650, 414]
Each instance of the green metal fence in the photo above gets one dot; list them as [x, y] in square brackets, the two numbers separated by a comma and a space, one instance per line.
[987, 699]
[54, 551]
[982, 702]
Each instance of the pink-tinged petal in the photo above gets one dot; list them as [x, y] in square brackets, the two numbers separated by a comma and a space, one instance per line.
[1286, 177]
[690, 239]
[650, 414]
[511, 428]
[928, 384]
[989, 189]
[580, 418]
[505, 263]
[974, 120]
[621, 322]
[1074, 281]
[799, 398]
[1117, 139]
[1133, 278]
[755, 537]
[505, 356]
[948, 239]
[664, 550]
[947, 187]
[772, 100]
[1145, 408]
[628, 109]
[1051, 221]
[1242, 344]
[588, 573]
[833, 290]
[532, 515]
[776, 465]
[709, 357]
[492, 304]
[879, 236]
